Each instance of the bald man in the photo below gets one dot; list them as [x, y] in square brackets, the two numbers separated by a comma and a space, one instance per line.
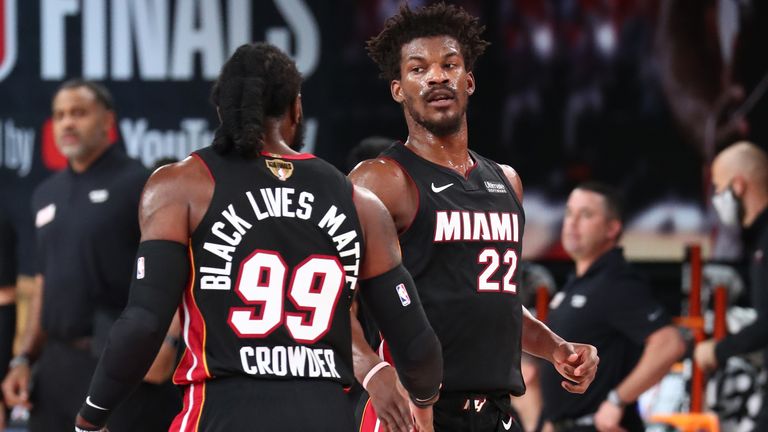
[740, 180]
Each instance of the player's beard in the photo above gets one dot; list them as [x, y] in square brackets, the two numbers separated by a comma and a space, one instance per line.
[298, 138]
[443, 127]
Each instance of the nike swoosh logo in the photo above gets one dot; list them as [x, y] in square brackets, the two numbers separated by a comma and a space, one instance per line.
[507, 424]
[91, 404]
[436, 189]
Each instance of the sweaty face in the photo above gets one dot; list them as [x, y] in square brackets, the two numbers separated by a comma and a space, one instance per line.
[434, 85]
[587, 229]
[80, 123]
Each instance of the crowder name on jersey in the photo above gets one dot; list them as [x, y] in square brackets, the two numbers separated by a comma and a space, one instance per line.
[273, 203]
[297, 361]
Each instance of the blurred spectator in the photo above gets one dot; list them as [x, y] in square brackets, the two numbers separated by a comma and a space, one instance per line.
[607, 304]
[87, 235]
[7, 299]
[367, 148]
[740, 181]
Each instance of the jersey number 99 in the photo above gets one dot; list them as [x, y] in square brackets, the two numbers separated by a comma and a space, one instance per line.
[314, 289]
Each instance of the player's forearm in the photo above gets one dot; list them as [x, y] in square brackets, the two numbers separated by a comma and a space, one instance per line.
[363, 356]
[538, 340]
[662, 349]
[751, 338]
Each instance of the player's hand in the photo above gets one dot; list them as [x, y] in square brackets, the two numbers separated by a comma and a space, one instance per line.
[607, 418]
[390, 401]
[423, 418]
[16, 386]
[577, 363]
[704, 355]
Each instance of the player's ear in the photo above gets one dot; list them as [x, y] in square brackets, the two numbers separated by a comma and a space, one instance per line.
[297, 111]
[470, 83]
[614, 229]
[397, 91]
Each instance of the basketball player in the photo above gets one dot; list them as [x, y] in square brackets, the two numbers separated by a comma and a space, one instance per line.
[460, 221]
[261, 247]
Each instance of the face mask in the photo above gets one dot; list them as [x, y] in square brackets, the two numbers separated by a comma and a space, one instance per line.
[727, 207]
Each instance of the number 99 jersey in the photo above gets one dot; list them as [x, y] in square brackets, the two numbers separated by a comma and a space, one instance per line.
[275, 260]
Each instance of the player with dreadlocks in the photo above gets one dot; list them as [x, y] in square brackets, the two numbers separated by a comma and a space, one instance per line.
[260, 248]
[460, 221]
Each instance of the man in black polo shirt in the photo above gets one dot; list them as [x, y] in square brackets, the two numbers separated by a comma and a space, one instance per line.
[607, 305]
[7, 296]
[87, 234]
[740, 180]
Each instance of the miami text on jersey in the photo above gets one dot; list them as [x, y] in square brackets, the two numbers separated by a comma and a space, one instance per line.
[457, 225]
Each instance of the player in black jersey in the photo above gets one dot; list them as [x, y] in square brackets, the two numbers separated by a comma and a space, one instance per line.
[460, 222]
[260, 247]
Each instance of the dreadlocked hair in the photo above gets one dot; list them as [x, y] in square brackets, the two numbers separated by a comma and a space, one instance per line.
[436, 20]
[258, 81]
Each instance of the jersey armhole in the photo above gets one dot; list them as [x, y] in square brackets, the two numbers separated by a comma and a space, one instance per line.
[197, 156]
[418, 195]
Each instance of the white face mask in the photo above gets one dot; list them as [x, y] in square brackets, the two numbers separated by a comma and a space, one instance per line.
[727, 207]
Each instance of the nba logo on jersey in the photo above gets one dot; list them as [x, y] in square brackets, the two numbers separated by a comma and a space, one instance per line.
[280, 169]
[140, 268]
[405, 299]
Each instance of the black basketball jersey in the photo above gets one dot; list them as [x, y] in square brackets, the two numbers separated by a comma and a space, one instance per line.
[274, 261]
[463, 248]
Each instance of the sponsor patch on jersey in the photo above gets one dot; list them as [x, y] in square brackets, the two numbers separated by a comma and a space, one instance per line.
[45, 215]
[140, 268]
[494, 187]
[98, 195]
[280, 168]
[405, 299]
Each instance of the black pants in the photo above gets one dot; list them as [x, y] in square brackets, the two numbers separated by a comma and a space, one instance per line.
[475, 413]
[631, 421]
[60, 383]
[250, 404]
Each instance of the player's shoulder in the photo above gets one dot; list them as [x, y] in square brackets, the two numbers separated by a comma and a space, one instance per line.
[178, 179]
[372, 172]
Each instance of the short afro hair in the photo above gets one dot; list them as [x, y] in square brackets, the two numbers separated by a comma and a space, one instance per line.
[436, 20]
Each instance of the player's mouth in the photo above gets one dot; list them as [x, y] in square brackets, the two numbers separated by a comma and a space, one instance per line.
[440, 98]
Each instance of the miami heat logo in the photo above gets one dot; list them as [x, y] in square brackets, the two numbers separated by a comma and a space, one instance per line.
[281, 169]
[7, 37]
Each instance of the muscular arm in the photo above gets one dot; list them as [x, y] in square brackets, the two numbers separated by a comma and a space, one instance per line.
[392, 186]
[413, 343]
[662, 349]
[166, 222]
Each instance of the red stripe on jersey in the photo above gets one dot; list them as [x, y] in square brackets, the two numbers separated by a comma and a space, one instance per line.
[188, 420]
[299, 156]
[384, 352]
[370, 421]
[193, 366]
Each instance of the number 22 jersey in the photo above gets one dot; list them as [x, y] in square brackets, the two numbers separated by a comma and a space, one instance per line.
[463, 248]
[275, 260]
